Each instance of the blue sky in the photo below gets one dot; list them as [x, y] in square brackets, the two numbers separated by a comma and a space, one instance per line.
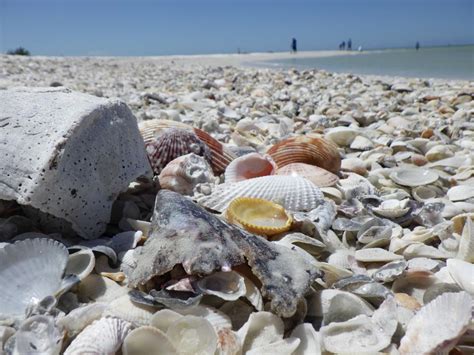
[145, 27]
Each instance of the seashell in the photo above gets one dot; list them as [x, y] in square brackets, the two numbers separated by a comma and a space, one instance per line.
[425, 264]
[424, 193]
[461, 192]
[376, 255]
[308, 244]
[262, 328]
[220, 156]
[310, 343]
[38, 335]
[392, 208]
[358, 334]
[390, 271]
[184, 173]
[99, 289]
[438, 152]
[292, 192]
[238, 312]
[361, 143]
[318, 176]
[413, 177]
[227, 342]
[138, 225]
[414, 284]
[259, 216]
[438, 289]
[30, 270]
[438, 325]
[466, 243]
[76, 320]
[344, 306]
[229, 286]
[249, 166]
[462, 271]
[418, 159]
[306, 149]
[125, 309]
[416, 249]
[459, 221]
[193, 335]
[163, 318]
[104, 336]
[281, 347]
[172, 143]
[355, 165]
[218, 319]
[81, 263]
[147, 340]
[342, 136]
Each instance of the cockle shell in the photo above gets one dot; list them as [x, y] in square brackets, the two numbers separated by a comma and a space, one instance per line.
[259, 216]
[147, 340]
[294, 193]
[318, 176]
[249, 166]
[306, 149]
[172, 143]
[220, 156]
[438, 325]
[185, 172]
[104, 336]
[30, 270]
[413, 177]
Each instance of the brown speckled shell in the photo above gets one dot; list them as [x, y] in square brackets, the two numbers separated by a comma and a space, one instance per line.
[306, 149]
[220, 156]
[318, 176]
[172, 143]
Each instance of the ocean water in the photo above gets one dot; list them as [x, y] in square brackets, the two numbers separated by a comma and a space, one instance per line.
[455, 62]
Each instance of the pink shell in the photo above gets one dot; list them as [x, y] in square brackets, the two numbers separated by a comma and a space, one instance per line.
[318, 176]
[172, 143]
[249, 166]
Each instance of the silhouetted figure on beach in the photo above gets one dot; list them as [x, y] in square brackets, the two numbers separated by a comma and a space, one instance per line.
[342, 46]
[417, 46]
[293, 45]
[349, 45]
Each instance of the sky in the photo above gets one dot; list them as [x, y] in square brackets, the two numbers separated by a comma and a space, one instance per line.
[146, 27]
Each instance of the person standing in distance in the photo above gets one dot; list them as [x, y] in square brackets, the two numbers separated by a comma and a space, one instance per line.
[293, 45]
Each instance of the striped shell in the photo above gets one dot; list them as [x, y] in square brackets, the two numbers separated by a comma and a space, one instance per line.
[172, 143]
[318, 176]
[249, 166]
[307, 149]
[294, 193]
[220, 156]
[259, 216]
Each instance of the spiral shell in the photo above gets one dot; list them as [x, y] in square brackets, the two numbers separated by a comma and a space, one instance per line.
[172, 143]
[307, 149]
[220, 156]
[249, 166]
[318, 176]
[259, 216]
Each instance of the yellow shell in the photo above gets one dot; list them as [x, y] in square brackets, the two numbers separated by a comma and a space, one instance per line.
[259, 216]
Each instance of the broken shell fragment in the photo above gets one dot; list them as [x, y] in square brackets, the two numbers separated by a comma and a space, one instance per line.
[259, 216]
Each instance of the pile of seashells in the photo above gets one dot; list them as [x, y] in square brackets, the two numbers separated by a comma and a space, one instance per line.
[290, 213]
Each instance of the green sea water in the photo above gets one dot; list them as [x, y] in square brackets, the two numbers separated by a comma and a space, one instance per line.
[456, 62]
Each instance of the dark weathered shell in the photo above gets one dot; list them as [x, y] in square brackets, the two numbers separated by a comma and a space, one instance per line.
[172, 143]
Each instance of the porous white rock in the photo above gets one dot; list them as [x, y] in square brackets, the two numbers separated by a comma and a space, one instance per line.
[68, 154]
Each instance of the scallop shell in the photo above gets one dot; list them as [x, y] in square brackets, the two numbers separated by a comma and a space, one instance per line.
[249, 166]
[220, 156]
[184, 173]
[147, 340]
[172, 143]
[81, 263]
[104, 336]
[318, 176]
[305, 149]
[292, 192]
[229, 286]
[259, 216]
[38, 335]
[30, 270]
[124, 308]
[438, 325]
[413, 177]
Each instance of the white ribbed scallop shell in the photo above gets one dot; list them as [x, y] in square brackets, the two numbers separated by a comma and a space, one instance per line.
[292, 192]
[30, 270]
[104, 336]
[438, 324]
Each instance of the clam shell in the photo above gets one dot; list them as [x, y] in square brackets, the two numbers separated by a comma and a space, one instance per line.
[229, 286]
[30, 270]
[292, 192]
[342, 136]
[305, 149]
[392, 208]
[413, 177]
[184, 173]
[147, 340]
[220, 156]
[81, 263]
[438, 325]
[104, 336]
[318, 176]
[461, 192]
[249, 166]
[259, 216]
[172, 143]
